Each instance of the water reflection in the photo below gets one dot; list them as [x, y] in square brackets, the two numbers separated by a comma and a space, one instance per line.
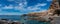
[25, 20]
[36, 22]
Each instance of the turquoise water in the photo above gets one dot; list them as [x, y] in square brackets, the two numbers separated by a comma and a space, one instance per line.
[10, 17]
[32, 21]
[17, 17]
[37, 22]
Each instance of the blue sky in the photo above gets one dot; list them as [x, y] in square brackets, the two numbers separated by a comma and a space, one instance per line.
[23, 6]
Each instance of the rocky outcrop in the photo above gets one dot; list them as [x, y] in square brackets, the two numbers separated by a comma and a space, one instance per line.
[48, 15]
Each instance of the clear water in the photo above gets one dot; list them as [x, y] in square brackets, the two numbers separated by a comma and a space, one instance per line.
[37, 22]
[32, 21]
[10, 17]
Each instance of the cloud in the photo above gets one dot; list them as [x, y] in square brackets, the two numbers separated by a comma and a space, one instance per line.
[0, 5]
[22, 9]
[8, 7]
[32, 8]
[49, 0]
[36, 7]
[21, 6]
[41, 4]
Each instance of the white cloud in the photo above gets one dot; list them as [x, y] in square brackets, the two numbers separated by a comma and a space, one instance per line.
[0, 5]
[37, 7]
[30, 8]
[8, 7]
[20, 4]
[22, 8]
[41, 4]
[33, 8]
[49, 0]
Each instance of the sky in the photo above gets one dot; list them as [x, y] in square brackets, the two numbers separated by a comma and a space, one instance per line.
[17, 7]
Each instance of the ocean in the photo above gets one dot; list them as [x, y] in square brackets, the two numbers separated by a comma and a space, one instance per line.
[37, 22]
[10, 17]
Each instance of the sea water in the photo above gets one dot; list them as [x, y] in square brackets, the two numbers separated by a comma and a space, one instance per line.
[37, 22]
[10, 17]
[32, 21]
